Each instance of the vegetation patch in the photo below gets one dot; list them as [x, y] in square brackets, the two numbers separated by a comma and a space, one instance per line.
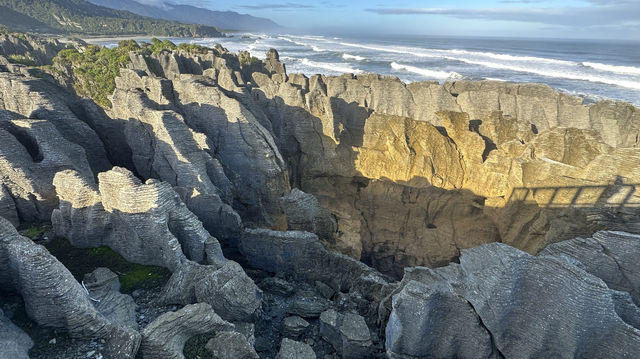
[21, 59]
[96, 68]
[81, 261]
[35, 231]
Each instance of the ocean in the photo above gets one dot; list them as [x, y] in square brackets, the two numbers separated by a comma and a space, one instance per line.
[591, 69]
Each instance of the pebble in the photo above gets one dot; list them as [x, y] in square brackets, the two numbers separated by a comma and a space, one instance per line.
[90, 354]
[52, 341]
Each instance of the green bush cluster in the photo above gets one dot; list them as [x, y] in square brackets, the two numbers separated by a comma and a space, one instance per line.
[21, 59]
[96, 69]
[193, 48]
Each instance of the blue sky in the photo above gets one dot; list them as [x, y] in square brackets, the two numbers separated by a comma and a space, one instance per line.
[618, 19]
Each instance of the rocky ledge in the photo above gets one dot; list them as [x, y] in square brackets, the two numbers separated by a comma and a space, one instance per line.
[221, 207]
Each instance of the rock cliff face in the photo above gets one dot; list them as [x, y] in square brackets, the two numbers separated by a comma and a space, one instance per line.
[469, 309]
[326, 188]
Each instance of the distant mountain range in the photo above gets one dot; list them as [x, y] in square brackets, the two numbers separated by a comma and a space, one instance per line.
[226, 20]
[83, 18]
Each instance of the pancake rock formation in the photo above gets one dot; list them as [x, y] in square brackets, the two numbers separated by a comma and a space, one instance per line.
[313, 217]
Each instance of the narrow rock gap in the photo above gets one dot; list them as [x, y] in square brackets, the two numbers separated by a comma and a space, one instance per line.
[27, 140]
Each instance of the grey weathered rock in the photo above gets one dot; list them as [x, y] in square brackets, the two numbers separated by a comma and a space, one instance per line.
[164, 147]
[347, 333]
[291, 349]
[304, 213]
[145, 223]
[36, 49]
[610, 256]
[495, 279]
[31, 152]
[104, 290]
[165, 337]
[34, 98]
[294, 326]
[277, 286]
[214, 139]
[273, 64]
[53, 297]
[300, 255]
[231, 345]
[227, 289]
[308, 307]
[432, 321]
[14, 342]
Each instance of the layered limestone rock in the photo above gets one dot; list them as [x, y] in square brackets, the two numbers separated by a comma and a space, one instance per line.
[104, 290]
[205, 144]
[145, 223]
[37, 50]
[414, 184]
[53, 298]
[14, 342]
[166, 336]
[491, 281]
[228, 290]
[610, 256]
[42, 99]
[31, 153]
[231, 345]
[149, 224]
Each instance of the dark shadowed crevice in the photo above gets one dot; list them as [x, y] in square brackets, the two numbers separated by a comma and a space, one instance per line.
[26, 140]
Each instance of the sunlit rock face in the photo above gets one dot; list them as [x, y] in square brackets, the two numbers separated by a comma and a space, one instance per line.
[415, 173]
[411, 174]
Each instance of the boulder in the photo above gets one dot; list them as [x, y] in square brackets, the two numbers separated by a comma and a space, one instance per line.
[294, 326]
[308, 307]
[166, 336]
[291, 349]
[347, 333]
[14, 342]
[227, 289]
[231, 345]
[104, 291]
[304, 213]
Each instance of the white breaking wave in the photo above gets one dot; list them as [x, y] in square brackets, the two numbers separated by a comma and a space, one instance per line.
[335, 67]
[557, 74]
[547, 72]
[442, 75]
[317, 49]
[630, 70]
[292, 41]
[507, 57]
[353, 57]
[494, 79]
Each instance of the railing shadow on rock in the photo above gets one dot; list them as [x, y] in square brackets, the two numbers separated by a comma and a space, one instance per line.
[617, 195]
